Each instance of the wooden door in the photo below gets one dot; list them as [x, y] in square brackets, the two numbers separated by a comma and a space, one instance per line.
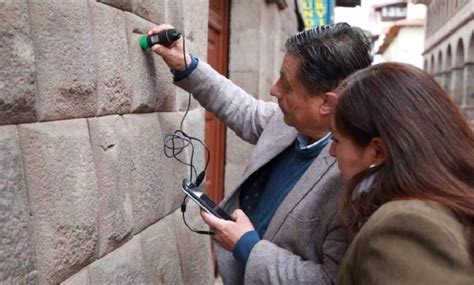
[215, 130]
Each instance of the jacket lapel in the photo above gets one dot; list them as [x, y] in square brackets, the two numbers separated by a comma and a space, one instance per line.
[307, 183]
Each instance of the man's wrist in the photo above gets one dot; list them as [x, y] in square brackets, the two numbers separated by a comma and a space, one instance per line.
[181, 74]
[244, 246]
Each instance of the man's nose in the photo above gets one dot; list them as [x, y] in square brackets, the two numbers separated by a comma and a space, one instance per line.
[274, 91]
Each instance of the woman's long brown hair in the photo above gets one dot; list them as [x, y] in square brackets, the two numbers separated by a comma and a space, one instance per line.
[430, 144]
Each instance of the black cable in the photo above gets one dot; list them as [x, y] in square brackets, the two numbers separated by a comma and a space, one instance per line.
[183, 210]
[175, 145]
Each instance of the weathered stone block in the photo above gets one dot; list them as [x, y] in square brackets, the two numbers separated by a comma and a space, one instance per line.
[125, 5]
[63, 196]
[175, 14]
[153, 193]
[160, 253]
[111, 52]
[17, 255]
[111, 148]
[65, 61]
[152, 10]
[194, 249]
[195, 18]
[122, 266]
[17, 78]
[153, 89]
[247, 61]
[249, 14]
[80, 278]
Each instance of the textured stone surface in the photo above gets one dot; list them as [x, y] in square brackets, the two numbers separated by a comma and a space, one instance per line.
[17, 264]
[153, 190]
[125, 5]
[152, 10]
[160, 253]
[62, 190]
[111, 148]
[17, 78]
[111, 53]
[194, 249]
[195, 23]
[65, 61]
[152, 82]
[122, 266]
[80, 278]
[174, 14]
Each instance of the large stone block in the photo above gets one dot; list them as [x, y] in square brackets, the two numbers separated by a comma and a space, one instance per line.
[160, 253]
[111, 51]
[247, 14]
[194, 249]
[195, 18]
[111, 146]
[153, 89]
[17, 78]
[62, 189]
[153, 189]
[65, 61]
[245, 61]
[152, 10]
[122, 266]
[125, 5]
[175, 14]
[17, 254]
[80, 278]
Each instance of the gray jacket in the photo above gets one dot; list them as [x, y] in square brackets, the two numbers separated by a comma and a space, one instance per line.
[304, 242]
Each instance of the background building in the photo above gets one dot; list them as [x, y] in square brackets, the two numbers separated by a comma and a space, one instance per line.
[449, 49]
[396, 28]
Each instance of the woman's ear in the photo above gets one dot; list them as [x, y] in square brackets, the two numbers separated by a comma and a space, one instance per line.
[328, 104]
[379, 151]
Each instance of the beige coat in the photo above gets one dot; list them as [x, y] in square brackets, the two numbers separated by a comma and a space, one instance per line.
[409, 242]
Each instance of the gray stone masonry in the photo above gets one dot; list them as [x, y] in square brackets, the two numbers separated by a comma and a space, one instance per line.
[62, 189]
[17, 255]
[87, 195]
[17, 71]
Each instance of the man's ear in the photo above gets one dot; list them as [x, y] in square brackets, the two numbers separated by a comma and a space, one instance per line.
[328, 104]
[379, 149]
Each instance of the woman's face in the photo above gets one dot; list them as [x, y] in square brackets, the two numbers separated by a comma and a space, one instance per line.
[351, 158]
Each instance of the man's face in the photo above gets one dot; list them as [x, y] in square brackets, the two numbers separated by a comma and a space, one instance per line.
[300, 108]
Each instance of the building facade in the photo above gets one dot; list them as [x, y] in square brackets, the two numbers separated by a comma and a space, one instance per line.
[87, 195]
[449, 49]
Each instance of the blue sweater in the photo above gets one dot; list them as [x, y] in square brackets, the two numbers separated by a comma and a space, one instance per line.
[287, 169]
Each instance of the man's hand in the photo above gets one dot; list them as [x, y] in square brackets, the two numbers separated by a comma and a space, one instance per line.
[228, 232]
[172, 55]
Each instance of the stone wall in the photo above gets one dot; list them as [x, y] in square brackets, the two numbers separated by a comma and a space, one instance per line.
[86, 193]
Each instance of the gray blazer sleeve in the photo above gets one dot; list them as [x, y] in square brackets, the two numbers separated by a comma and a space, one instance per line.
[270, 264]
[244, 114]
